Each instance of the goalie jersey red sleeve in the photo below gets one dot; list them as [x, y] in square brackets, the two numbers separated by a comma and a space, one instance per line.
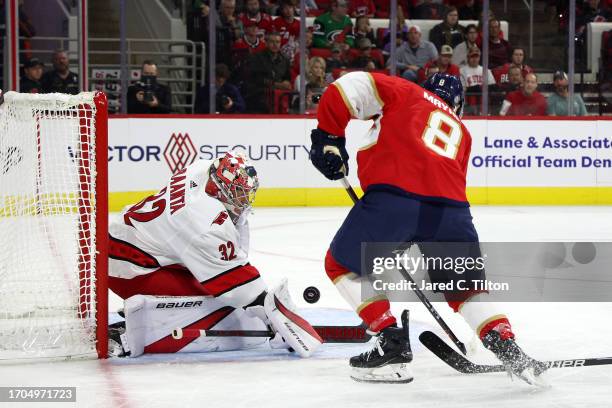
[416, 142]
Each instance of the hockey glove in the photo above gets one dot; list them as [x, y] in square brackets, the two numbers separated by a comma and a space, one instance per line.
[328, 154]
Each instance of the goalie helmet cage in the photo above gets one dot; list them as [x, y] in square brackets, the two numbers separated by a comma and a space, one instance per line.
[53, 226]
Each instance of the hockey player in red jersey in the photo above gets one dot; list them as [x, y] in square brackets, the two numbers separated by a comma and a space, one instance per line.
[413, 173]
[179, 258]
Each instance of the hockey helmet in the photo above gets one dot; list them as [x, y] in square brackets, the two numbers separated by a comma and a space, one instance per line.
[448, 88]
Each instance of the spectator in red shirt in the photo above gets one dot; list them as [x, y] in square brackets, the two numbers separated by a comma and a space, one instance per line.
[526, 101]
[511, 81]
[499, 48]
[518, 59]
[253, 13]
[441, 64]
[362, 8]
[250, 42]
[286, 24]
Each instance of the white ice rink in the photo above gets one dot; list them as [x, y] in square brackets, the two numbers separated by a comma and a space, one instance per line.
[291, 242]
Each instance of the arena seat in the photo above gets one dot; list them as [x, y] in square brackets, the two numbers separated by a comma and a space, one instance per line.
[425, 25]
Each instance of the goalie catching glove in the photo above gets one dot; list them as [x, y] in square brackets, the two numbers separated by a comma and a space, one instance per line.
[328, 154]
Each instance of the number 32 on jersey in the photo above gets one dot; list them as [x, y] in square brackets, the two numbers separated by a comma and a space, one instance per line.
[443, 134]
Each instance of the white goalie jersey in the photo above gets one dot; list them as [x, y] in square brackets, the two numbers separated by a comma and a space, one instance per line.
[182, 228]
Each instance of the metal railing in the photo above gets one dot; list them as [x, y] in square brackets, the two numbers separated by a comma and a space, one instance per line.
[181, 64]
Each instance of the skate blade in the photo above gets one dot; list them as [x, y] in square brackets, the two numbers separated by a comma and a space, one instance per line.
[387, 374]
[528, 375]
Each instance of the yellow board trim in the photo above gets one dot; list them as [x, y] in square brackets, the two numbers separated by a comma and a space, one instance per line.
[337, 197]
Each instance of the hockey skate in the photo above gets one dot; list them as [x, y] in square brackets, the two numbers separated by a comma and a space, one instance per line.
[388, 360]
[514, 359]
[115, 345]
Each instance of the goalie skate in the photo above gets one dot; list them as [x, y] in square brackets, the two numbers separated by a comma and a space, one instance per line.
[115, 343]
[388, 360]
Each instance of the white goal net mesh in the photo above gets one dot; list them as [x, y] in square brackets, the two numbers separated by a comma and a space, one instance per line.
[47, 226]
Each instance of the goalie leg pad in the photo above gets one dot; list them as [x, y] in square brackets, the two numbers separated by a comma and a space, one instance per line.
[294, 329]
[150, 321]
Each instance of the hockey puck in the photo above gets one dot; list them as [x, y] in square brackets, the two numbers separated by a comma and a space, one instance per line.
[312, 294]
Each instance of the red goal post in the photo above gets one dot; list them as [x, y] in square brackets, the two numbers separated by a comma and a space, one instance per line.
[53, 226]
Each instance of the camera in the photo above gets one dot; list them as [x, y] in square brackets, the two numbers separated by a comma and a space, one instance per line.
[147, 84]
[224, 99]
[316, 97]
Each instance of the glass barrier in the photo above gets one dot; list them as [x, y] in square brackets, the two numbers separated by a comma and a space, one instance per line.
[538, 56]
[3, 53]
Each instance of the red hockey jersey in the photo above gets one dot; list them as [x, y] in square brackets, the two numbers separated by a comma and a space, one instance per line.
[287, 30]
[416, 143]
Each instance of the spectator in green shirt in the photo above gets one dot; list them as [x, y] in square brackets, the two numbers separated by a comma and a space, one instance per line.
[335, 26]
[557, 102]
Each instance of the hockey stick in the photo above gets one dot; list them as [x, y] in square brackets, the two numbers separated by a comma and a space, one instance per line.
[329, 334]
[417, 291]
[458, 362]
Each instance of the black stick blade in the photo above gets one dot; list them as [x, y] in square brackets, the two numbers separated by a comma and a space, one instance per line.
[445, 353]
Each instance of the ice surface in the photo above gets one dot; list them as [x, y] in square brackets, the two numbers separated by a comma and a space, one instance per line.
[292, 242]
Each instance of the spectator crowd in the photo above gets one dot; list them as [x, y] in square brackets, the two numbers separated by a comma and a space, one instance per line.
[257, 45]
[257, 41]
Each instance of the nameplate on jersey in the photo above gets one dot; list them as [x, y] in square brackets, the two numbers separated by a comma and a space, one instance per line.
[439, 104]
[177, 191]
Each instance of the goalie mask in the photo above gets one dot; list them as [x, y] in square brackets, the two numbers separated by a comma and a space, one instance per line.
[233, 181]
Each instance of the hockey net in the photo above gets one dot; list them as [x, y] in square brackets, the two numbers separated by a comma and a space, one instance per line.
[53, 226]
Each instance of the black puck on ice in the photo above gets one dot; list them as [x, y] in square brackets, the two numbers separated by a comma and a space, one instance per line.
[312, 294]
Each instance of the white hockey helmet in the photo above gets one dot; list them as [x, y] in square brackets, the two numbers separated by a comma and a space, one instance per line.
[233, 181]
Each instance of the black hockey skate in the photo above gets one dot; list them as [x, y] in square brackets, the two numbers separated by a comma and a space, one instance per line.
[514, 358]
[115, 345]
[388, 361]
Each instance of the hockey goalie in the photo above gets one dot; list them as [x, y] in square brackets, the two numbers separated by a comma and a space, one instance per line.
[179, 258]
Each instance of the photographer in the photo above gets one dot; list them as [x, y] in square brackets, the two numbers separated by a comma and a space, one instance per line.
[147, 95]
[228, 98]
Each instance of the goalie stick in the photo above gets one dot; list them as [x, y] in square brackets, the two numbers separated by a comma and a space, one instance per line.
[329, 334]
[458, 362]
[417, 291]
